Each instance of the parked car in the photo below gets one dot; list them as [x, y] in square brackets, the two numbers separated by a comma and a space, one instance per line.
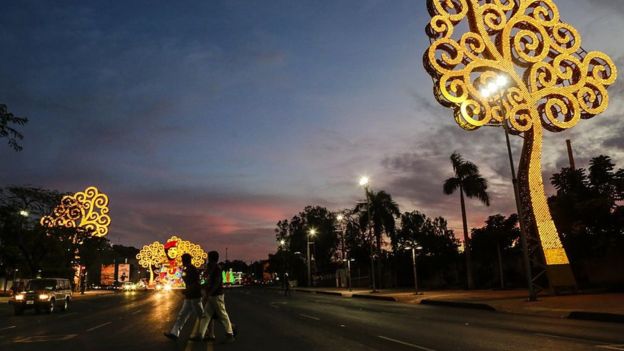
[45, 294]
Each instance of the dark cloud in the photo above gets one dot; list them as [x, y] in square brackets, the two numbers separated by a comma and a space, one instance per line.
[610, 5]
[416, 177]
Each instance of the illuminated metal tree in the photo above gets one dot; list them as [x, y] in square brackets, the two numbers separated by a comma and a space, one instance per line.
[86, 210]
[154, 255]
[552, 84]
[150, 256]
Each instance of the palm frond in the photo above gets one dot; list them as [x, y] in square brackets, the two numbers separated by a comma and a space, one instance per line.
[450, 185]
[476, 186]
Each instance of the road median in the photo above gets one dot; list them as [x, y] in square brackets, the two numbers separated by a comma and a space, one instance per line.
[458, 304]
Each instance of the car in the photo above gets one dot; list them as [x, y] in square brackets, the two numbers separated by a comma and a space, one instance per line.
[44, 294]
[128, 286]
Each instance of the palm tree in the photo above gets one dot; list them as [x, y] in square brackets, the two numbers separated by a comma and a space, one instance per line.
[471, 184]
[383, 213]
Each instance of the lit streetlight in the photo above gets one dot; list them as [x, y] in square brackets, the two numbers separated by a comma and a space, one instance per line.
[364, 182]
[414, 248]
[496, 87]
[24, 213]
[311, 234]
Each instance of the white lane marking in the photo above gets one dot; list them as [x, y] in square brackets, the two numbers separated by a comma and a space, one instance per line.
[99, 326]
[137, 311]
[569, 338]
[611, 347]
[309, 317]
[44, 338]
[405, 343]
[10, 327]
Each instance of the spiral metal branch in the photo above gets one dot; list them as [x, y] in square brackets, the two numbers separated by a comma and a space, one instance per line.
[86, 210]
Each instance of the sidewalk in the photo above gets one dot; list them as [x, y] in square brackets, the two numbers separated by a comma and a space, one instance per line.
[601, 307]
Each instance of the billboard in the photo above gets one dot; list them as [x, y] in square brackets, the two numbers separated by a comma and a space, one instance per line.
[107, 275]
[123, 272]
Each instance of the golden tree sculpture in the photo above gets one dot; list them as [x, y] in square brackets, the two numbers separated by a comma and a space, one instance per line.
[154, 255]
[86, 210]
[552, 83]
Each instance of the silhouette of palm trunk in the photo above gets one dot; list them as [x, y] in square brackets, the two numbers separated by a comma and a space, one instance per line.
[466, 240]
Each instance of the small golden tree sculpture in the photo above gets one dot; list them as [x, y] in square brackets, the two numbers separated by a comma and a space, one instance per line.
[150, 256]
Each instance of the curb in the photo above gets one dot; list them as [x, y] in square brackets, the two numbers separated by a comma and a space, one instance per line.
[333, 293]
[320, 292]
[469, 305]
[374, 297]
[597, 316]
[305, 291]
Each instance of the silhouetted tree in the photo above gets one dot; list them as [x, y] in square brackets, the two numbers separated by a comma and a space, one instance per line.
[295, 233]
[492, 242]
[471, 184]
[8, 119]
[384, 211]
[587, 209]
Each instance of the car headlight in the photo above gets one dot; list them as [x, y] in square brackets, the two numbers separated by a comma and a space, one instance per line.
[19, 297]
[43, 296]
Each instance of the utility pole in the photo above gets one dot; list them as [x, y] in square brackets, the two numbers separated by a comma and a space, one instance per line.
[570, 154]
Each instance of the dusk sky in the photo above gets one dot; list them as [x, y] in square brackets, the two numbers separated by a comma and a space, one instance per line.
[214, 120]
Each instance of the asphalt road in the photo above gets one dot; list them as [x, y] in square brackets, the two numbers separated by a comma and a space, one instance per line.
[267, 320]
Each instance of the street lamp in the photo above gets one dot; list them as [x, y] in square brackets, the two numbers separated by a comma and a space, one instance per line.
[282, 243]
[414, 248]
[495, 87]
[364, 181]
[344, 255]
[311, 234]
[349, 260]
[24, 213]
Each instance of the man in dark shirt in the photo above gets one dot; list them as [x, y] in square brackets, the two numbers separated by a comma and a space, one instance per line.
[215, 303]
[192, 297]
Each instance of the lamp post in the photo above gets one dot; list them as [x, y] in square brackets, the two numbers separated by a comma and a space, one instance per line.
[496, 87]
[24, 214]
[349, 272]
[282, 244]
[311, 234]
[364, 181]
[344, 256]
[413, 248]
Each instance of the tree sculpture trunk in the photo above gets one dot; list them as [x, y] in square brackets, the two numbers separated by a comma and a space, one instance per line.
[151, 281]
[541, 230]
